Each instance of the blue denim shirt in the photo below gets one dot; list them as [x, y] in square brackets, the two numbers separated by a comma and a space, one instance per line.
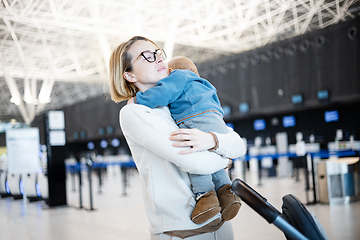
[187, 95]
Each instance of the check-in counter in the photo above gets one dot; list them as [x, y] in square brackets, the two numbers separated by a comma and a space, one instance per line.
[339, 180]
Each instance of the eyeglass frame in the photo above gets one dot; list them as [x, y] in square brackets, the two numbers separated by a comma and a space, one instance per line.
[142, 55]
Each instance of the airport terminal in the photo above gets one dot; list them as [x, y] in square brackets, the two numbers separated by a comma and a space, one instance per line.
[287, 75]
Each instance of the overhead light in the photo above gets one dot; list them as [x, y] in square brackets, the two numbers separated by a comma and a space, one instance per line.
[267, 56]
[83, 134]
[109, 129]
[44, 99]
[278, 53]
[115, 142]
[352, 33]
[227, 110]
[101, 131]
[320, 41]
[297, 99]
[292, 49]
[27, 97]
[274, 121]
[280, 92]
[28, 100]
[244, 107]
[323, 96]
[15, 100]
[76, 135]
[90, 145]
[103, 144]
[305, 45]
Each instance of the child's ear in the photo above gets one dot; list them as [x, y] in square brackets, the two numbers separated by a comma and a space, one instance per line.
[129, 77]
[170, 70]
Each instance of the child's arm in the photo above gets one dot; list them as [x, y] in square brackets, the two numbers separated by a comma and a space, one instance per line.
[167, 91]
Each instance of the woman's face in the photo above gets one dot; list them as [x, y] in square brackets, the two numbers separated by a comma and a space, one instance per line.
[145, 75]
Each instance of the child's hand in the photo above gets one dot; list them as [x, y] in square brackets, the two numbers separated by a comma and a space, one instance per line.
[130, 101]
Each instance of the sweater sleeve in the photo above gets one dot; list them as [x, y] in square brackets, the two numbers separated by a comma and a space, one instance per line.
[231, 145]
[143, 127]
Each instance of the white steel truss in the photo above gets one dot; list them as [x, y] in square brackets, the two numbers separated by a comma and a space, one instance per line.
[54, 53]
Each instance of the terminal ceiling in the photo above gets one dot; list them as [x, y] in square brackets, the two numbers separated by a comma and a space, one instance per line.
[54, 53]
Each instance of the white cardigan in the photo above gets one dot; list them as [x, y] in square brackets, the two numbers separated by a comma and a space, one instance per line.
[166, 190]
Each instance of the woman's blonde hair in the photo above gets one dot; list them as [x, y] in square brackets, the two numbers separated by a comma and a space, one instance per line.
[120, 62]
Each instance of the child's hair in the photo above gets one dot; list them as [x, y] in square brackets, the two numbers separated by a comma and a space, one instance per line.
[182, 63]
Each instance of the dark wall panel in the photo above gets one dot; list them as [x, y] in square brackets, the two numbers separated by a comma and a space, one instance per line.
[88, 117]
[327, 59]
[92, 115]
[308, 122]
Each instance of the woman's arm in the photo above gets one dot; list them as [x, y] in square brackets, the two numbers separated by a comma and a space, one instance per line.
[230, 145]
[194, 139]
[143, 126]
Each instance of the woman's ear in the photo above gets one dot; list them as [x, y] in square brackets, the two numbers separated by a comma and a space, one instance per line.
[129, 77]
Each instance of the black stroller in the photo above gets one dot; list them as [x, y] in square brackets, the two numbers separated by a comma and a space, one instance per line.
[295, 221]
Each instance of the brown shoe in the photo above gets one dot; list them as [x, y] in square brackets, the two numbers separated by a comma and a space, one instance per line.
[229, 202]
[206, 207]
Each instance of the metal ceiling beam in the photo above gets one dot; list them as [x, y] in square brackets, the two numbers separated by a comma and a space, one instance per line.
[71, 40]
[15, 94]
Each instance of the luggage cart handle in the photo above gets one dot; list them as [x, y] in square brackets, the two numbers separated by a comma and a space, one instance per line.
[265, 209]
[255, 200]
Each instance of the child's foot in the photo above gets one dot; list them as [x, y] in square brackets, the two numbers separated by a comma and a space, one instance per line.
[229, 202]
[206, 207]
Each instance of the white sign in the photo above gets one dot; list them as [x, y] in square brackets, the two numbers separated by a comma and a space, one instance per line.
[23, 150]
[56, 120]
[57, 138]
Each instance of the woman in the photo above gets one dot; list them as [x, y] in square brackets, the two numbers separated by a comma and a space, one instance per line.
[161, 151]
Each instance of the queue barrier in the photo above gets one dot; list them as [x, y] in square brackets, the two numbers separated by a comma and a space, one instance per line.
[4, 185]
[91, 166]
[124, 166]
[320, 154]
[323, 154]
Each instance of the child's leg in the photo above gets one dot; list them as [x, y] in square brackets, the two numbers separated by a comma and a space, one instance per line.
[229, 202]
[210, 122]
[201, 184]
[207, 203]
[220, 178]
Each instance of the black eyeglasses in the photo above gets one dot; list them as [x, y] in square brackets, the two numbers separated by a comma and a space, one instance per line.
[150, 56]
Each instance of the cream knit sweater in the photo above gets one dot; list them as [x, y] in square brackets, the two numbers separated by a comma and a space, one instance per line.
[166, 190]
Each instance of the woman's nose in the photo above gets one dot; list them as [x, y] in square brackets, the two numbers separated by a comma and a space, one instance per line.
[159, 59]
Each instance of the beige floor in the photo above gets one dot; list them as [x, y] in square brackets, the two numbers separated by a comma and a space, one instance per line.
[122, 217]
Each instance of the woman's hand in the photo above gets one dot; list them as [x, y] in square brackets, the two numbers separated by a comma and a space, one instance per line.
[195, 139]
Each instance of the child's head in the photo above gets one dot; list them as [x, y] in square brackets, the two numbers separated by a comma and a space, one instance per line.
[182, 63]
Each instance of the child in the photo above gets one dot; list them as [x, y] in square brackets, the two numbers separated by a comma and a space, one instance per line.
[193, 103]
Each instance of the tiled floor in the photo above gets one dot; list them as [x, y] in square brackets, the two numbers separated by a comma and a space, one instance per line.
[123, 217]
